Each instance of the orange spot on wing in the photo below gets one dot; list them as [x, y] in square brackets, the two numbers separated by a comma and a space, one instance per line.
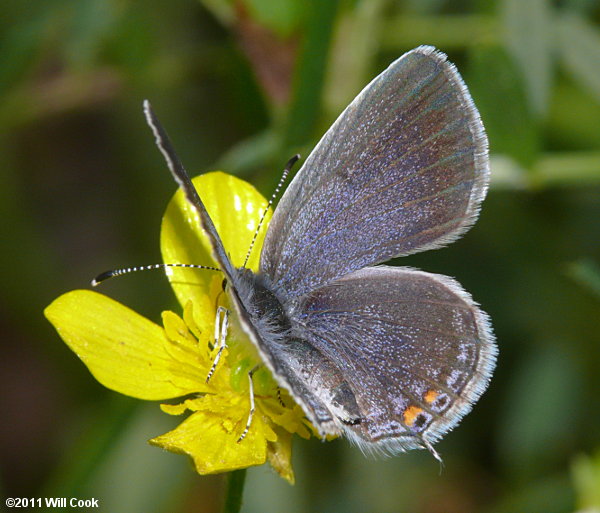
[410, 415]
[430, 396]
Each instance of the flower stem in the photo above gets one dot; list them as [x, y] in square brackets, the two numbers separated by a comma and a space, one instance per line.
[234, 491]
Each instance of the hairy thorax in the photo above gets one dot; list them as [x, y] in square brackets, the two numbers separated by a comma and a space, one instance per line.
[260, 301]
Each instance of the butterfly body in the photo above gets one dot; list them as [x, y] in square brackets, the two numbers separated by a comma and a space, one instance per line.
[269, 325]
[390, 357]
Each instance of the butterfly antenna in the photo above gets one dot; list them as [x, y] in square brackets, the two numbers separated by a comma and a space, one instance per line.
[126, 270]
[286, 170]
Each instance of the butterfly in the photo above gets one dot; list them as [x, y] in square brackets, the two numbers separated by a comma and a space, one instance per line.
[390, 357]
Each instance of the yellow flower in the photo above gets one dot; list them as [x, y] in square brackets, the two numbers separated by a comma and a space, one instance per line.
[136, 357]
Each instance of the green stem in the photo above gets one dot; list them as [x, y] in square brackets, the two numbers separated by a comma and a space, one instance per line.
[234, 491]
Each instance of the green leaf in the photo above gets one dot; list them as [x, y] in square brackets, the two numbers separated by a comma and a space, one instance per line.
[574, 118]
[310, 73]
[499, 94]
[354, 47]
[99, 430]
[585, 472]
[579, 47]
[93, 21]
[540, 411]
[135, 477]
[18, 49]
[547, 495]
[582, 6]
[282, 16]
[223, 10]
[587, 274]
[528, 34]
[444, 31]
[250, 153]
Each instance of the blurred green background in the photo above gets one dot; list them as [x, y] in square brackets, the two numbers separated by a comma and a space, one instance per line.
[242, 85]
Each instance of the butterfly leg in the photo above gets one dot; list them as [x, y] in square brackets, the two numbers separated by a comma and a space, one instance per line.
[433, 452]
[221, 326]
[251, 390]
[279, 397]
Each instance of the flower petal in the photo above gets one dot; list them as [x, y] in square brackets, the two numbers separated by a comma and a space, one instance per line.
[211, 440]
[279, 454]
[292, 419]
[123, 350]
[235, 208]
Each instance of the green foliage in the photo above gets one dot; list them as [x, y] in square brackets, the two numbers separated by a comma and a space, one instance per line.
[282, 17]
[528, 36]
[586, 477]
[579, 47]
[498, 90]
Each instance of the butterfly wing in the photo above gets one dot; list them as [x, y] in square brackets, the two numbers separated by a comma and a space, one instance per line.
[412, 353]
[184, 181]
[403, 169]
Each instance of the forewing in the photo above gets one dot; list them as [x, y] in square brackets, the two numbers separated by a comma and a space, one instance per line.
[403, 169]
[413, 348]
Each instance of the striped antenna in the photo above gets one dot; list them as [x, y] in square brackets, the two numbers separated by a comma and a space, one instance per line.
[126, 270]
[286, 170]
